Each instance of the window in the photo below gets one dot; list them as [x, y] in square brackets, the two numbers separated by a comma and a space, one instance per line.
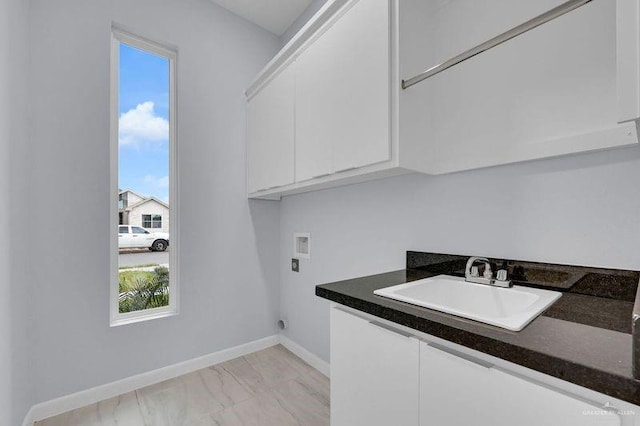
[138, 230]
[143, 172]
[152, 221]
[123, 204]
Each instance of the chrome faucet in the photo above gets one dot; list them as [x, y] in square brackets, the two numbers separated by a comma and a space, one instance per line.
[472, 275]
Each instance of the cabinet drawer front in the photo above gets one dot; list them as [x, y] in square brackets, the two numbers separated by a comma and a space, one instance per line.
[548, 405]
[374, 378]
[453, 390]
[458, 391]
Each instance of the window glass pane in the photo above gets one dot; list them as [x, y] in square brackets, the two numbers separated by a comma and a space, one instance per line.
[124, 230]
[144, 142]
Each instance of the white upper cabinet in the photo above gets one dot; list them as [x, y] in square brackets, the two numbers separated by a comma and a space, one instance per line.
[569, 85]
[628, 56]
[548, 92]
[270, 145]
[342, 94]
[314, 107]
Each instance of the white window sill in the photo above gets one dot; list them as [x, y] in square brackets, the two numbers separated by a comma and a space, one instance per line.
[140, 316]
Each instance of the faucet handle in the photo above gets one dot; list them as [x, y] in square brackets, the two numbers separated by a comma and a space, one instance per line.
[488, 273]
[475, 272]
[502, 275]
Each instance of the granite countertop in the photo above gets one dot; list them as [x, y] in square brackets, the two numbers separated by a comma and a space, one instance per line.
[584, 338]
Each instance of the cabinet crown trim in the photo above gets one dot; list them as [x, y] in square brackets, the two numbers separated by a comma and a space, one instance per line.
[296, 45]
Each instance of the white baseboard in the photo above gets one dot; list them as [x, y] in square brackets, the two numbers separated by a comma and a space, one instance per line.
[83, 398]
[28, 419]
[86, 397]
[311, 359]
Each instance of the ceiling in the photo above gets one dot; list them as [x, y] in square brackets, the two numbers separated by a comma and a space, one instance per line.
[273, 15]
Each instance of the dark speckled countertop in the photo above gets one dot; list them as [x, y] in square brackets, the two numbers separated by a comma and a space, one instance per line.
[584, 338]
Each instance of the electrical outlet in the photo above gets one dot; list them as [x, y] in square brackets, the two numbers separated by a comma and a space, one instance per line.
[295, 265]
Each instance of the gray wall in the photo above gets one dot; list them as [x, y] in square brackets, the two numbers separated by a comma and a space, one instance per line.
[5, 261]
[301, 20]
[229, 268]
[235, 279]
[583, 209]
[15, 379]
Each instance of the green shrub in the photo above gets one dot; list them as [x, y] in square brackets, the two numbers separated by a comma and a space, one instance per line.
[128, 279]
[141, 290]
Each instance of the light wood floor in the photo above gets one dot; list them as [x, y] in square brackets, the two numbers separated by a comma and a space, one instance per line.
[269, 387]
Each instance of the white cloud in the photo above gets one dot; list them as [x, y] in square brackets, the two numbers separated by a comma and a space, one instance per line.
[142, 125]
[158, 182]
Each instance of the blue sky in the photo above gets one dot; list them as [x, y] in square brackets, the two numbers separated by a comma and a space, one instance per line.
[144, 123]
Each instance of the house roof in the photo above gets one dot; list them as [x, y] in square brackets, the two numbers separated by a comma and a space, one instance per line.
[146, 200]
[122, 191]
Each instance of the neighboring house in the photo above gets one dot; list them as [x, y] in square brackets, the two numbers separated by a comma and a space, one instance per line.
[148, 212]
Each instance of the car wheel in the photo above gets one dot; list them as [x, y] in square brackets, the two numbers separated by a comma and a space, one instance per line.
[159, 245]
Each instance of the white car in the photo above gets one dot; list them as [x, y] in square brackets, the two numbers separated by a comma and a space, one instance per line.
[138, 237]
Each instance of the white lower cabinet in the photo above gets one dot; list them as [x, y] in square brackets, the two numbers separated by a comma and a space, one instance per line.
[374, 373]
[459, 390]
[381, 375]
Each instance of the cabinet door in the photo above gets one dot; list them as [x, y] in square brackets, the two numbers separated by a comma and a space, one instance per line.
[374, 374]
[458, 390]
[549, 92]
[343, 92]
[271, 133]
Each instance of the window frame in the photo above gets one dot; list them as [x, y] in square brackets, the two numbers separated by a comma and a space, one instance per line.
[119, 36]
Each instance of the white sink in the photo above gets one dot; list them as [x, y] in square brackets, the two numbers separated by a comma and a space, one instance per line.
[511, 308]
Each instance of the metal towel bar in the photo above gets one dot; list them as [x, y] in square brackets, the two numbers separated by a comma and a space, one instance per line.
[498, 40]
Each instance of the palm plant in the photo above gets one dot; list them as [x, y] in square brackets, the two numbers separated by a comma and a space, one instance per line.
[146, 292]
